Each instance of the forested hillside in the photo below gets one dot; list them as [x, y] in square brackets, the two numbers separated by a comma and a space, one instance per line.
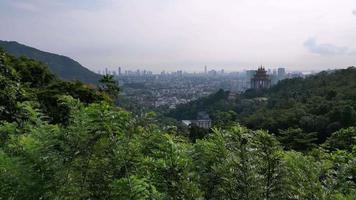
[64, 67]
[316, 106]
[66, 140]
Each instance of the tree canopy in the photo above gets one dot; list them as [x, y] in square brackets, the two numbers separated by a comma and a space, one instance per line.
[66, 140]
[319, 104]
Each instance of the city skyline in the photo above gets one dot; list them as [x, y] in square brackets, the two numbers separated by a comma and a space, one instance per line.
[205, 70]
[187, 35]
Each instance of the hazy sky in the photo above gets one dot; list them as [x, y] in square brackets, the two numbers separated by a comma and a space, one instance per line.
[187, 34]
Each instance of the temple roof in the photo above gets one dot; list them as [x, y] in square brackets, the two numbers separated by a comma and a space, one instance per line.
[261, 74]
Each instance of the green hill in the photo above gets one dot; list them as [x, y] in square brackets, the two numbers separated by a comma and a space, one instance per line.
[319, 104]
[64, 67]
[26, 80]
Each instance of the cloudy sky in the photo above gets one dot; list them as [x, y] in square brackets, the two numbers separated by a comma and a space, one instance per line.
[187, 34]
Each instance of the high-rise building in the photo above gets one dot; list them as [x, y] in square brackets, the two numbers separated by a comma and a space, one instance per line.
[119, 71]
[274, 77]
[180, 73]
[250, 74]
[205, 70]
[281, 73]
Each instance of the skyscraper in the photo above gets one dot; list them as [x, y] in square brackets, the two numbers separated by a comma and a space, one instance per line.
[281, 73]
[119, 71]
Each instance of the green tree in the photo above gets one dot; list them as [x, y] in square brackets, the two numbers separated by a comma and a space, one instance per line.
[225, 119]
[296, 139]
[344, 139]
[270, 166]
[303, 177]
[109, 85]
[134, 188]
[209, 160]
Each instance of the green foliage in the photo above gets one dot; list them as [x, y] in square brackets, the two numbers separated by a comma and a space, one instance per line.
[321, 104]
[210, 104]
[270, 166]
[109, 85]
[344, 139]
[296, 139]
[24, 79]
[225, 119]
[340, 178]
[33, 73]
[102, 153]
[134, 188]
[16, 181]
[303, 177]
[195, 132]
[240, 164]
[50, 98]
[94, 150]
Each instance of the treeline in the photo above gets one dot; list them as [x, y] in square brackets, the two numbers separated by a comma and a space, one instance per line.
[105, 154]
[215, 102]
[317, 105]
[96, 150]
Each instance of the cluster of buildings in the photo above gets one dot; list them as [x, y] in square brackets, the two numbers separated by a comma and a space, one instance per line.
[234, 81]
[119, 72]
[258, 79]
[169, 89]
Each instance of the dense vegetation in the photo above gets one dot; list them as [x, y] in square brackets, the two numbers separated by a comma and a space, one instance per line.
[96, 150]
[64, 67]
[317, 105]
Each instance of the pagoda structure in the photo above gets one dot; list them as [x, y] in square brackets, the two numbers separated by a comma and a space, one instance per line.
[261, 79]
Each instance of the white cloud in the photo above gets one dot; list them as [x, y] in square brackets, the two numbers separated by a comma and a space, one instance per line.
[326, 49]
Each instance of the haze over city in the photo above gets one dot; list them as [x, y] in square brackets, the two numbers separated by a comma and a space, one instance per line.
[188, 34]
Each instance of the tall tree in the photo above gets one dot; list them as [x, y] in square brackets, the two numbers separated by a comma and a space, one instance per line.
[109, 85]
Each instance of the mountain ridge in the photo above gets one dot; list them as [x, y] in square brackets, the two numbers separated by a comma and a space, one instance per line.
[64, 67]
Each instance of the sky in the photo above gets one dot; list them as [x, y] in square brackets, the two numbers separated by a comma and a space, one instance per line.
[187, 34]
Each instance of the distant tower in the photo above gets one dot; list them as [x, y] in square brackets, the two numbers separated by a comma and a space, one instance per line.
[106, 71]
[261, 79]
[205, 70]
[281, 73]
[119, 71]
[274, 72]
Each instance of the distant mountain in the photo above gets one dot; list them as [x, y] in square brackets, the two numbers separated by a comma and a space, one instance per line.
[64, 67]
